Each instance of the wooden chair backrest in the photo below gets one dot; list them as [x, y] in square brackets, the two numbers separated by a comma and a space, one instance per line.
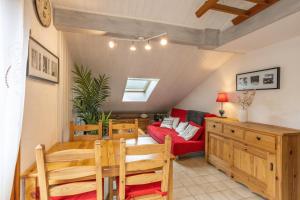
[125, 130]
[154, 167]
[50, 181]
[86, 127]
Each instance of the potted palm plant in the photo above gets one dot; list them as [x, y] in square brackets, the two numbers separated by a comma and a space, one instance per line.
[90, 93]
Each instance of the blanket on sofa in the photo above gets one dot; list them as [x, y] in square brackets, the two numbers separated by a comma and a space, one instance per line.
[196, 116]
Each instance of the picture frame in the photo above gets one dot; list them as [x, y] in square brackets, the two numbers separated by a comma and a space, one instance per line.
[42, 63]
[266, 79]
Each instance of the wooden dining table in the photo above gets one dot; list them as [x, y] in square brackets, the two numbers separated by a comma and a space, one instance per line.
[110, 162]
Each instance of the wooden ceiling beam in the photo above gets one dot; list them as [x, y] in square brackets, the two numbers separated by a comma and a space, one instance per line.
[205, 7]
[229, 9]
[258, 1]
[253, 11]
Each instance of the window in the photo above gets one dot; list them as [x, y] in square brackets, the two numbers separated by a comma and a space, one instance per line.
[139, 89]
[137, 85]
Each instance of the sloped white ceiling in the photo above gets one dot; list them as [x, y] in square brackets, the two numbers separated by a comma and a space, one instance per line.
[180, 68]
[176, 12]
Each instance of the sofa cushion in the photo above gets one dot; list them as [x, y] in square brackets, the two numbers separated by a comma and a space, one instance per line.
[189, 132]
[199, 133]
[175, 122]
[179, 113]
[181, 127]
[196, 116]
[167, 122]
[179, 145]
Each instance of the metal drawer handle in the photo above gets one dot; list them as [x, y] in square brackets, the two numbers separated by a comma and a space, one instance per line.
[232, 131]
[214, 126]
[258, 138]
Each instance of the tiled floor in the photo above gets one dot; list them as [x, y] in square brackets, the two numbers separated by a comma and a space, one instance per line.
[194, 179]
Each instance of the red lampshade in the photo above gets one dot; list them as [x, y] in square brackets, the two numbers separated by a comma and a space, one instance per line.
[222, 97]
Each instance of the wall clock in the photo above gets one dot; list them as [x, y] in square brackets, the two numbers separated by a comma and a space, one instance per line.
[43, 9]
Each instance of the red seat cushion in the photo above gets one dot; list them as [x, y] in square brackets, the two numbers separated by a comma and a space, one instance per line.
[84, 196]
[181, 114]
[132, 191]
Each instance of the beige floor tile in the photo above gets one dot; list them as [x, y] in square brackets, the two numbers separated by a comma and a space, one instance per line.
[195, 190]
[207, 187]
[211, 178]
[230, 194]
[180, 193]
[244, 192]
[203, 197]
[200, 179]
[219, 185]
[217, 196]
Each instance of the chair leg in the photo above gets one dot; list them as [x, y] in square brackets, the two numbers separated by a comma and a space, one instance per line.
[111, 192]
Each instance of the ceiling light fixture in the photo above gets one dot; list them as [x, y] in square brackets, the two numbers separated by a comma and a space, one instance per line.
[148, 46]
[111, 44]
[163, 42]
[132, 47]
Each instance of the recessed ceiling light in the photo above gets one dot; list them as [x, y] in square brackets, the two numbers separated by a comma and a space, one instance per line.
[111, 44]
[163, 42]
[148, 46]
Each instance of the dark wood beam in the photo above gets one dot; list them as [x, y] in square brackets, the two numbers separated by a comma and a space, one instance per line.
[258, 1]
[253, 11]
[205, 7]
[229, 9]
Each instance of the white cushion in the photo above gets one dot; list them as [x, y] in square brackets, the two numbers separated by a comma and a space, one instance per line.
[189, 132]
[181, 127]
[175, 122]
[167, 122]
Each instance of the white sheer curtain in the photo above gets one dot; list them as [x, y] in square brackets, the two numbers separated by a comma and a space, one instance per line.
[13, 56]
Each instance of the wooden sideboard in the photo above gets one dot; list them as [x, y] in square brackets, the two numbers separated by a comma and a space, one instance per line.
[265, 158]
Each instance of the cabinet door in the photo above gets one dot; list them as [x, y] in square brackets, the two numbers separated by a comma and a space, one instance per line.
[257, 165]
[219, 148]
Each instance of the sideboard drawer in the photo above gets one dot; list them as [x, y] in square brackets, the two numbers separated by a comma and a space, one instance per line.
[233, 131]
[214, 127]
[260, 140]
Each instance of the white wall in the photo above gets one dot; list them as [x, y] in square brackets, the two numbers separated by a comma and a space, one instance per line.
[278, 107]
[45, 112]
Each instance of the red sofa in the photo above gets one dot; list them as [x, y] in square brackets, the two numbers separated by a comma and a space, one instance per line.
[179, 145]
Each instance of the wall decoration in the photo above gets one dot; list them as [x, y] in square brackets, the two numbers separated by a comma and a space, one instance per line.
[259, 80]
[42, 63]
[44, 12]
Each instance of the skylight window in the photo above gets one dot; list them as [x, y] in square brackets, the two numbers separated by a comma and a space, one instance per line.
[139, 89]
[137, 85]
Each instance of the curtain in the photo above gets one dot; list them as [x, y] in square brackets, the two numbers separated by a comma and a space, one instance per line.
[13, 58]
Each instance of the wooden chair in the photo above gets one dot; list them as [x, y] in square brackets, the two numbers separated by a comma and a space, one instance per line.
[60, 182]
[151, 173]
[124, 129]
[87, 127]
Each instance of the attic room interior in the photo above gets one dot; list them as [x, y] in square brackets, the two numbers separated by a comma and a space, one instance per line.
[150, 99]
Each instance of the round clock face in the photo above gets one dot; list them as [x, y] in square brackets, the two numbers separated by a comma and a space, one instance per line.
[43, 8]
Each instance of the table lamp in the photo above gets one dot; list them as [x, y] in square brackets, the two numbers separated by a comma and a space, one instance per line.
[222, 98]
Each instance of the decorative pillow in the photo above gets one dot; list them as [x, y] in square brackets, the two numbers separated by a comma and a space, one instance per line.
[189, 132]
[175, 122]
[167, 122]
[198, 134]
[181, 127]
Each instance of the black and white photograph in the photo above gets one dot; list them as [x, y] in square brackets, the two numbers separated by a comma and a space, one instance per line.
[259, 80]
[42, 64]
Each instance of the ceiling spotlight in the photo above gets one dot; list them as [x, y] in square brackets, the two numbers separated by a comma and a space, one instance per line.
[148, 46]
[132, 47]
[111, 44]
[163, 42]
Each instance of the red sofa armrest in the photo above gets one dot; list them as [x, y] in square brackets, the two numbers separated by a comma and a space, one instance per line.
[156, 124]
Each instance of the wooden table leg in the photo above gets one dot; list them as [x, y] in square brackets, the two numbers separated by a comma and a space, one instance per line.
[170, 190]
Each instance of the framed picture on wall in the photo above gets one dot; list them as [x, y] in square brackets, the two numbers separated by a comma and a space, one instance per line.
[42, 63]
[266, 79]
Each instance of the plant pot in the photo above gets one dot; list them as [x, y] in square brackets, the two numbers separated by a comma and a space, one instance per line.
[243, 115]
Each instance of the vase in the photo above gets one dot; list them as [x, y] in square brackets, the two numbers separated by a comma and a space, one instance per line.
[243, 115]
